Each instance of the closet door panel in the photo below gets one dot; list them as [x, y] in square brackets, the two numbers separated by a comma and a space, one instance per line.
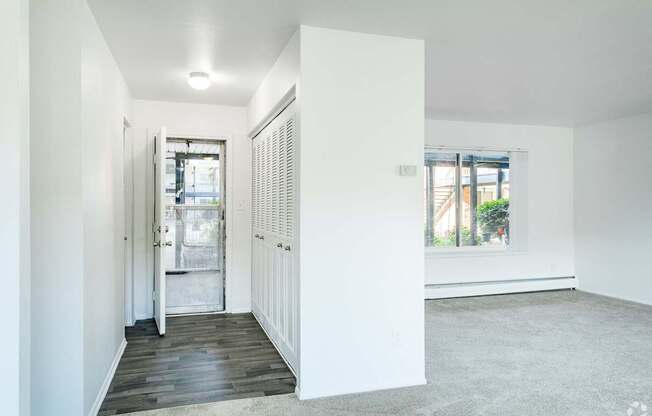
[274, 281]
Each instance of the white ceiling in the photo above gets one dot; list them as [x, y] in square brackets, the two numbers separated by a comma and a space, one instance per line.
[555, 62]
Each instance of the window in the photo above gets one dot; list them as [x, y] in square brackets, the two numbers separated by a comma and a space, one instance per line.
[193, 198]
[466, 198]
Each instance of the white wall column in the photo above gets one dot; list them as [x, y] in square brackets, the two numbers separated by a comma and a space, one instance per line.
[14, 209]
[361, 224]
[56, 208]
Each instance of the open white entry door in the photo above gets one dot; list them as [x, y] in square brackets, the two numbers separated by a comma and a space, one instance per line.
[160, 231]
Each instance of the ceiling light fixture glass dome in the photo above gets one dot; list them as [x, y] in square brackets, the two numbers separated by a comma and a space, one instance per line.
[199, 80]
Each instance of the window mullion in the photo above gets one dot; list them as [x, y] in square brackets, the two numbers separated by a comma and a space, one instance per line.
[473, 196]
[458, 199]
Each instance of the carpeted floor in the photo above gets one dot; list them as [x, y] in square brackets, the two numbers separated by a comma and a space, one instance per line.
[553, 353]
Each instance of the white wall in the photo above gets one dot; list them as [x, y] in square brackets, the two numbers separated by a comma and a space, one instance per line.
[78, 103]
[548, 251]
[56, 208]
[14, 234]
[361, 232]
[613, 224]
[199, 120]
[281, 78]
[106, 102]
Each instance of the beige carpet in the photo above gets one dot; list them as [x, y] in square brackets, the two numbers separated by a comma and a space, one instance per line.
[549, 354]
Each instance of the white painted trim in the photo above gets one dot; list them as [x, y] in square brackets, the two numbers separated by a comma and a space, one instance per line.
[171, 315]
[107, 380]
[128, 169]
[229, 210]
[620, 298]
[193, 309]
[285, 101]
[457, 290]
[140, 317]
[382, 385]
[457, 149]
[277, 348]
[239, 310]
[470, 251]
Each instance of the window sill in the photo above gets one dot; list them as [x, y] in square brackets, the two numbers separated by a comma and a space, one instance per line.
[469, 252]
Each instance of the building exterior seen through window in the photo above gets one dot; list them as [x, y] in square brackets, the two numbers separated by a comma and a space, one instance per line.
[192, 215]
[466, 198]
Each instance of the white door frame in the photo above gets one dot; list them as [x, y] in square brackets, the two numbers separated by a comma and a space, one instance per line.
[228, 211]
[128, 204]
[160, 230]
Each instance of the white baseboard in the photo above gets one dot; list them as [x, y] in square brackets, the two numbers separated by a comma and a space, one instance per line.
[279, 350]
[107, 380]
[239, 310]
[144, 316]
[629, 299]
[195, 309]
[378, 386]
[457, 290]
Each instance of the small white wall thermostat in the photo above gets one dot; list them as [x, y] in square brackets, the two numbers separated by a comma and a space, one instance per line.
[407, 170]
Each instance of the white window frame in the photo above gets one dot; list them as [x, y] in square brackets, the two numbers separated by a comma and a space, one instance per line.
[471, 250]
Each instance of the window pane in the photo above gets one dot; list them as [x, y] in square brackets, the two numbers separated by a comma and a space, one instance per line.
[194, 237]
[485, 199]
[202, 181]
[439, 197]
[170, 180]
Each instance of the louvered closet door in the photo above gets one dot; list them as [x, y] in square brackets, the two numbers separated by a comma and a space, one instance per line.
[275, 285]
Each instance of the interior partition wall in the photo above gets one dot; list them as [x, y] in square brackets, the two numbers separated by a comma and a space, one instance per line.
[338, 268]
[275, 280]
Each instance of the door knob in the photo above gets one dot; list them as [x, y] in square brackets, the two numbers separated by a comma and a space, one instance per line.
[287, 248]
[168, 243]
[257, 236]
[157, 244]
[262, 237]
[279, 245]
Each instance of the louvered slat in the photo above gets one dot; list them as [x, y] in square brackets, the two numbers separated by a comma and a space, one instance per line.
[282, 181]
[289, 178]
[254, 189]
[265, 179]
[274, 181]
[259, 185]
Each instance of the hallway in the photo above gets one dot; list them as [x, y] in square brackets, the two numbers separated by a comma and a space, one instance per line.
[202, 358]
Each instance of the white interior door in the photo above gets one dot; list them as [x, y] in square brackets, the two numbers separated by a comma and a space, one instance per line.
[160, 231]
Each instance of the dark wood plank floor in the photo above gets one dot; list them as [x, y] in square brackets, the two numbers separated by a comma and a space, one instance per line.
[202, 358]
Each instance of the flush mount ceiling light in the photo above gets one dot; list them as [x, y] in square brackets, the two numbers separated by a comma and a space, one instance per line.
[199, 80]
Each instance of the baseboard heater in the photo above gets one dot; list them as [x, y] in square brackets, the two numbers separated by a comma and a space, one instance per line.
[496, 287]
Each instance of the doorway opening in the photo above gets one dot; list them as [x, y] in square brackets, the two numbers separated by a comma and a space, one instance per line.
[201, 354]
[194, 221]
